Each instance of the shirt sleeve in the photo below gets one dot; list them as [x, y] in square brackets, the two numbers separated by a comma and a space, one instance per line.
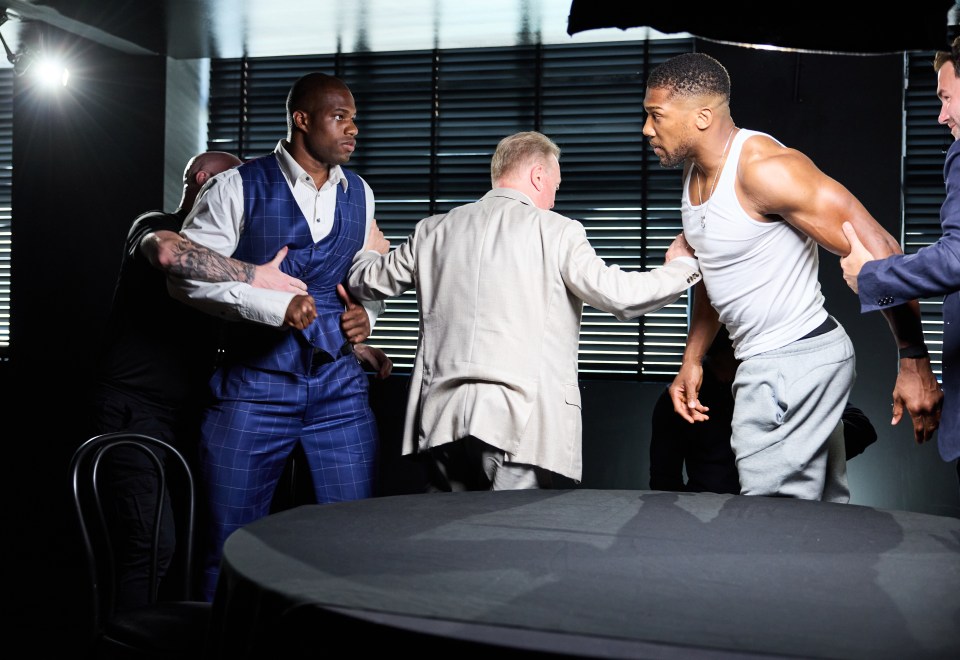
[933, 270]
[374, 308]
[216, 222]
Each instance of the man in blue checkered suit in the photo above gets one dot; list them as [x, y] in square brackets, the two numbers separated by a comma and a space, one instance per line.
[288, 373]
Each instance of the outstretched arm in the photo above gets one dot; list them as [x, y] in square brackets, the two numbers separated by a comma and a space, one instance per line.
[215, 223]
[178, 256]
[625, 294]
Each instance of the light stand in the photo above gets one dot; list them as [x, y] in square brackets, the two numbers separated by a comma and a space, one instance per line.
[20, 61]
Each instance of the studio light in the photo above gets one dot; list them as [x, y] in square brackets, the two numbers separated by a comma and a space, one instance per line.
[49, 72]
[19, 62]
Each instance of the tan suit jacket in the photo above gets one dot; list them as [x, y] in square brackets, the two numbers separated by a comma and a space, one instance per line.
[501, 285]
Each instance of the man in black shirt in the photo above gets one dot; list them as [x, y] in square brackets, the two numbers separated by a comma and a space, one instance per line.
[151, 373]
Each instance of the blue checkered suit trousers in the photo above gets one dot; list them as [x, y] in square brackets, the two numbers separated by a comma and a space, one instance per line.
[250, 431]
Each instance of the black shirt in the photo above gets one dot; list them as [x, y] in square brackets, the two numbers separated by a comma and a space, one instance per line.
[154, 347]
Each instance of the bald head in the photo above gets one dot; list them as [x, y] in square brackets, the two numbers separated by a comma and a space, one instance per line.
[307, 92]
[202, 168]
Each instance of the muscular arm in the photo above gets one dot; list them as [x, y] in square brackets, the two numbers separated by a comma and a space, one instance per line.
[776, 181]
[784, 182]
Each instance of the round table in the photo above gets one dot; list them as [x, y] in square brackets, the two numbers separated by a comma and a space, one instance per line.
[591, 573]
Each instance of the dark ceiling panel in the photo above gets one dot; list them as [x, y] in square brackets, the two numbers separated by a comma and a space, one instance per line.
[139, 21]
[829, 27]
[230, 28]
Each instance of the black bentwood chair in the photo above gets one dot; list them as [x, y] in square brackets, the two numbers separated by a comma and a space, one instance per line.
[173, 625]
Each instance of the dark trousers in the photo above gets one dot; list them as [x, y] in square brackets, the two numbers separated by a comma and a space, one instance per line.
[131, 486]
[471, 464]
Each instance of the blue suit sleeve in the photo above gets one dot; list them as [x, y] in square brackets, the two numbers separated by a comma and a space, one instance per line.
[933, 270]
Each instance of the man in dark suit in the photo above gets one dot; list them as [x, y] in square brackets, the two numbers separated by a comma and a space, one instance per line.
[933, 270]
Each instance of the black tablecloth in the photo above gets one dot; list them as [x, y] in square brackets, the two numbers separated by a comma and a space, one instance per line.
[592, 573]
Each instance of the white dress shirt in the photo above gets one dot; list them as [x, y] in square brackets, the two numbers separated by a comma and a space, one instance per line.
[217, 221]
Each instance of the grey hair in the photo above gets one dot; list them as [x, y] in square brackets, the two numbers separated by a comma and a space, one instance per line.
[517, 149]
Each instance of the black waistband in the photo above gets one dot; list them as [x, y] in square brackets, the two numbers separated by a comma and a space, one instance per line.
[321, 357]
[821, 329]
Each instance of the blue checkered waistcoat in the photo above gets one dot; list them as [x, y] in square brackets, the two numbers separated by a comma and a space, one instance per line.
[272, 220]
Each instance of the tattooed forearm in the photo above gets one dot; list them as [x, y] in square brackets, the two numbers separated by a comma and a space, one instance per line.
[195, 262]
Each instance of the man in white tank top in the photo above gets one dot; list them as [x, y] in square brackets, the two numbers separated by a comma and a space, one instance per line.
[754, 212]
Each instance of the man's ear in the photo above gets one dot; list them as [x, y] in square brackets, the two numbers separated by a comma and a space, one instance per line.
[300, 119]
[201, 178]
[536, 176]
[704, 118]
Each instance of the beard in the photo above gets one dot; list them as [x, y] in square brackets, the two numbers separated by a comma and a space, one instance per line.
[676, 157]
[671, 161]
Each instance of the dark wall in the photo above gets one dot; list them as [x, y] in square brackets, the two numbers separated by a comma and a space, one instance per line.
[86, 161]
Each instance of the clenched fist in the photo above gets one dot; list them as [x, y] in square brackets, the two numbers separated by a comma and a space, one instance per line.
[300, 312]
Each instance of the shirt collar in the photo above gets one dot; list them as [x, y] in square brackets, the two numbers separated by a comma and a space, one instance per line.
[511, 193]
[295, 174]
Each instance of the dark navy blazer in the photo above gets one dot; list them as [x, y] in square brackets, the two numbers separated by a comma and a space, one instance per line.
[932, 271]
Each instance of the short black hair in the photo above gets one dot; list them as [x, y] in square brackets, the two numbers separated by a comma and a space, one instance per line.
[691, 74]
[304, 92]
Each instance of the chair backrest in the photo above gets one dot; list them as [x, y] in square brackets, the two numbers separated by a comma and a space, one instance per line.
[91, 499]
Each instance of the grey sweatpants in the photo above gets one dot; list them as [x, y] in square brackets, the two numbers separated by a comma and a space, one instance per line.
[787, 434]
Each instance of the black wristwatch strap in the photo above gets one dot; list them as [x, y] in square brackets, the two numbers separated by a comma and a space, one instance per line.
[914, 352]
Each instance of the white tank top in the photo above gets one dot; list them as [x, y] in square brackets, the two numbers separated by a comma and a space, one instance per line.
[761, 276]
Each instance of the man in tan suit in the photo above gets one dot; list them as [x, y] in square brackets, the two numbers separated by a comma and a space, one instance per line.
[494, 400]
